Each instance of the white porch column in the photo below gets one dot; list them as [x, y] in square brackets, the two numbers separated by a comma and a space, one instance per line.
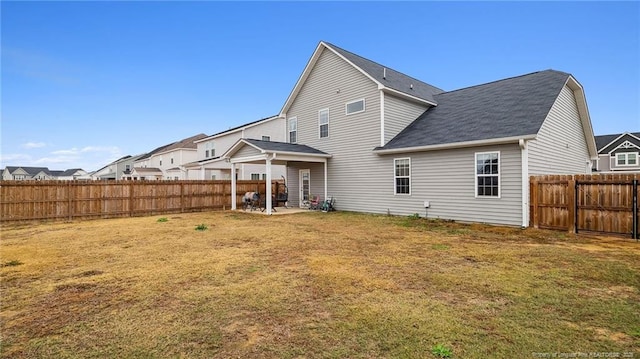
[202, 172]
[268, 185]
[325, 179]
[233, 186]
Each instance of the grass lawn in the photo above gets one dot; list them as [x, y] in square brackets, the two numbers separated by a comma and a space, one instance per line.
[314, 285]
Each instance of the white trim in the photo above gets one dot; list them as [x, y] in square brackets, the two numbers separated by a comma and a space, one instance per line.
[476, 175]
[406, 95]
[289, 120]
[626, 145]
[381, 118]
[346, 107]
[617, 138]
[524, 162]
[395, 177]
[321, 124]
[626, 159]
[493, 141]
[239, 128]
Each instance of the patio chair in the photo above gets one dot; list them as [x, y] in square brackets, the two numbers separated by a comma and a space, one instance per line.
[314, 203]
[327, 204]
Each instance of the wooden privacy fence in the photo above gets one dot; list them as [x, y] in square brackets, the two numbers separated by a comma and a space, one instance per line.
[598, 203]
[67, 200]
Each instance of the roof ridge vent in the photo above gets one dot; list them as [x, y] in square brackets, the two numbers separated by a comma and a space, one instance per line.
[384, 73]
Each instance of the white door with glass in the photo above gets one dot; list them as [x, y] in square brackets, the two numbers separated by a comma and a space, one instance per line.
[305, 177]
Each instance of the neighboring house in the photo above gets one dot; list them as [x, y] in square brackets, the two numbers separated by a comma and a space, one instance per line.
[116, 170]
[210, 164]
[166, 162]
[380, 141]
[618, 153]
[18, 173]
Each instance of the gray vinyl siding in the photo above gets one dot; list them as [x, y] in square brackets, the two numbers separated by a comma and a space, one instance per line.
[398, 114]
[447, 179]
[246, 151]
[560, 147]
[362, 181]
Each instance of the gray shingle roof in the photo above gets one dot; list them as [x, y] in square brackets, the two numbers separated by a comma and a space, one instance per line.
[393, 79]
[185, 143]
[603, 140]
[284, 147]
[511, 107]
[32, 171]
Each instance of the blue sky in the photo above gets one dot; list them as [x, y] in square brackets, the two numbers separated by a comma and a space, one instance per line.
[84, 83]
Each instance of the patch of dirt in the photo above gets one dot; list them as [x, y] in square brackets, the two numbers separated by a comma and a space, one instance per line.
[90, 273]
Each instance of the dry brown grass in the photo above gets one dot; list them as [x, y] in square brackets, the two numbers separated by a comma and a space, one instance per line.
[317, 285]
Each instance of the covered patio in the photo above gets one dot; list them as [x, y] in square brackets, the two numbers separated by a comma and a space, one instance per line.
[271, 153]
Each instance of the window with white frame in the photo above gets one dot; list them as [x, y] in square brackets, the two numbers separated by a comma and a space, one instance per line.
[171, 160]
[293, 130]
[255, 176]
[160, 160]
[264, 176]
[323, 122]
[266, 138]
[210, 150]
[627, 159]
[488, 174]
[213, 177]
[354, 107]
[402, 175]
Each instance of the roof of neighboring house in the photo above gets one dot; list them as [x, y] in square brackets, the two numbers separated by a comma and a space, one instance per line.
[69, 172]
[272, 146]
[239, 127]
[148, 170]
[32, 171]
[506, 108]
[393, 79]
[185, 143]
[603, 141]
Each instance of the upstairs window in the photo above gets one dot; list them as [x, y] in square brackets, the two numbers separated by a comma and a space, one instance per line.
[323, 122]
[488, 174]
[210, 150]
[171, 160]
[355, 106]
[293, 130]
[266, 138]
[402, 175]
[627, 159]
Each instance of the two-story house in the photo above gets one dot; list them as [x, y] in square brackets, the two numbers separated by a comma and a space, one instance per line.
[116, 170]
[380, 141]
[618, 153]
[211, 165]
[166, 162]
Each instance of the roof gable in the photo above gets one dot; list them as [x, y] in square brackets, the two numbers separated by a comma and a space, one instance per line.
[506, 109]
[606, 143]
[384, 77]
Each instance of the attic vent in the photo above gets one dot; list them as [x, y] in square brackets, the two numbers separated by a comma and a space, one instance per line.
[384, 73]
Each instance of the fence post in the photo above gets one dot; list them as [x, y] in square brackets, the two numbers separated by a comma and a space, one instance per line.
[181, 197]
[572, 204]
[533, 199]
[635, 210]
[131, 199]
[69, 210]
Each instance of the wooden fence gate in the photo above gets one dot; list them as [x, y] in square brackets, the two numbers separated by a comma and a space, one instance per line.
[597, 203]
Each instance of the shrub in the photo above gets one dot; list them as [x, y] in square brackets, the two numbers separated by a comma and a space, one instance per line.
[441, 351]
[201, 227]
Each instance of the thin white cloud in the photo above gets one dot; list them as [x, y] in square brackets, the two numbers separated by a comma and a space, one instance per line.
[16, 158]
[30, 145]
[73, 151]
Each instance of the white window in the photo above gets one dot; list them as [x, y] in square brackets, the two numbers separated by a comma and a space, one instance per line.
[293, 130]
[355, 106]
[255, 176]
[213, 177]
[627, 159]
[323, 122]
[210, 150]
[402, 175]
[488, 174]
[171, 160]
[266, 138]
[264, 176]
[160, 160]
[127, 168]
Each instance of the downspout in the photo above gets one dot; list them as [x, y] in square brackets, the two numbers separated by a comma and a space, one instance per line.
[381, 118]
[524, 160]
